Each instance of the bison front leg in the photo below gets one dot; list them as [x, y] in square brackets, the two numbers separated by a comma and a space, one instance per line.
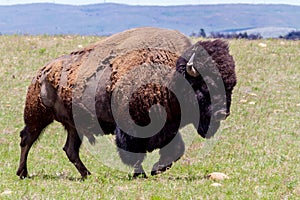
[132, 152]
[71, 148]
[169, 154]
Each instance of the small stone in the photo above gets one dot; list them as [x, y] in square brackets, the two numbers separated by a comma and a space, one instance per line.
[217, 176]
[262, 45]
[252, 94]
[252, 103]
[216, 184]
[6, 192]
[278, 111]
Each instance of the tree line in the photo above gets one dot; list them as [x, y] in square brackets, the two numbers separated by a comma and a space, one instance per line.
[294, 35]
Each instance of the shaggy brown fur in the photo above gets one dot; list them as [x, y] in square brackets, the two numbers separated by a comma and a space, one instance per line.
[130, 40]
[61, 74]
[123, 64]
[129, 70]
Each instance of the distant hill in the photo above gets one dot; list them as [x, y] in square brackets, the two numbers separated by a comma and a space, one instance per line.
[106, 19]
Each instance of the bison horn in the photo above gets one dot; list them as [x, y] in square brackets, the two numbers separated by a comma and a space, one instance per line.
[190, 69]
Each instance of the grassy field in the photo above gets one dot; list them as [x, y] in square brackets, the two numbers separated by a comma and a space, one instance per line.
[258, 146]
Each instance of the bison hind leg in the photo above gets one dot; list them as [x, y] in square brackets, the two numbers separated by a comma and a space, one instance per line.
[169, 154]
[28, 136]
[22, 170]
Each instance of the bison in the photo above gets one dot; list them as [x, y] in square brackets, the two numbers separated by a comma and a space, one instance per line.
[94, 86]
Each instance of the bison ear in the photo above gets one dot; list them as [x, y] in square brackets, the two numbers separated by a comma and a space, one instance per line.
[190, 69]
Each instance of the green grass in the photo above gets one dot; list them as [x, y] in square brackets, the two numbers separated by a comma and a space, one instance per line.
[258, 146]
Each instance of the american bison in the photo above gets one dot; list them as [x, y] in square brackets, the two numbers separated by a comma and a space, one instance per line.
[66, 84]
[123, 76]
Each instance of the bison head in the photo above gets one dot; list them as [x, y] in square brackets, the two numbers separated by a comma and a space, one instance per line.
[210, 70]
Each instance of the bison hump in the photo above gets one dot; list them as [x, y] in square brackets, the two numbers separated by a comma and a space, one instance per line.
[122, 65]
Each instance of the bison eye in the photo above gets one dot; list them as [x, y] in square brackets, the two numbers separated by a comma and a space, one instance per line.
[199, 94]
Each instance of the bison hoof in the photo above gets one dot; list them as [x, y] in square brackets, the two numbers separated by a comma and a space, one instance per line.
[159, 168]
[22, 173]
[139, 175]
[85, 174]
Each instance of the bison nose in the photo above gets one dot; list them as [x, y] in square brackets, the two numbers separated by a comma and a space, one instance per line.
[221, 115]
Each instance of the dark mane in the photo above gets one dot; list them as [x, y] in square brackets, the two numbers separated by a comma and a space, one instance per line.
[219, 51]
